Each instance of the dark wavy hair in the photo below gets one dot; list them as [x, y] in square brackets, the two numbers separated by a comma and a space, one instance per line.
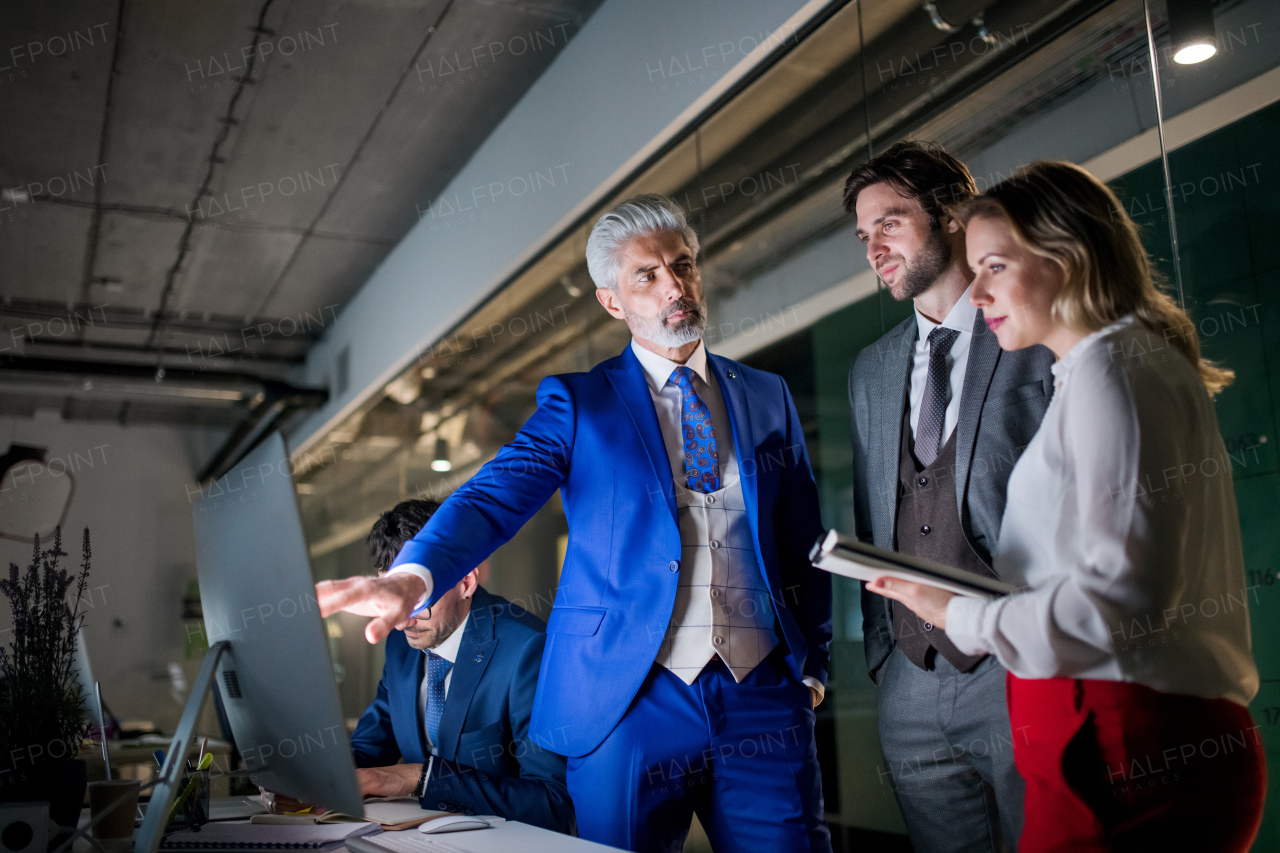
[395, 527]
[920, 170]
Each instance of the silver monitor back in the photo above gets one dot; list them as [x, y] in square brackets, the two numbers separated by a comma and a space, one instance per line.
[257, 592]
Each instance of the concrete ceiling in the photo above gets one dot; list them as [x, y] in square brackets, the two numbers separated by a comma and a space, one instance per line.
[218, 179]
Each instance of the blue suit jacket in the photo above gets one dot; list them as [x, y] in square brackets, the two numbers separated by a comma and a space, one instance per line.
[595, 436]
[485, 762]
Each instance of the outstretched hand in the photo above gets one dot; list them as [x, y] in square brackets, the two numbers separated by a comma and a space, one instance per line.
[389, 599]
[927, 602]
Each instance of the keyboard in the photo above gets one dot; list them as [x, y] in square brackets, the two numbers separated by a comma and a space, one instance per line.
[409, 841]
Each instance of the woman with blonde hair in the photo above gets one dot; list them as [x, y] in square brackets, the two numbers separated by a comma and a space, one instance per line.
[1128, 641]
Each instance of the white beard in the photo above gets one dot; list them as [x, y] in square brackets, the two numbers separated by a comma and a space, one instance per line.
[657, 331]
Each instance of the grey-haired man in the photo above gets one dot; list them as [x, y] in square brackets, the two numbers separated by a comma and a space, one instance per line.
[689, 639]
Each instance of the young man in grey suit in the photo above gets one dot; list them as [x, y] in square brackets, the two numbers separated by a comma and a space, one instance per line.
[940, 414]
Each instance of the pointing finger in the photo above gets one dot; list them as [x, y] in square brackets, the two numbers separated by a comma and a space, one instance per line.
[332, 596]
[377, 629]
[358, 595]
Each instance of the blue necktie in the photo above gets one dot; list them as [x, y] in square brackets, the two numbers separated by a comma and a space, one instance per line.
[701, 463]
[437, 669]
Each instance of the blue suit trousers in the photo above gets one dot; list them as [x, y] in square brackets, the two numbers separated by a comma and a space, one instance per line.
[739, 755]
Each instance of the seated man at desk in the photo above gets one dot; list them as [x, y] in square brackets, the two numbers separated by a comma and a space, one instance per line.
[454, 702]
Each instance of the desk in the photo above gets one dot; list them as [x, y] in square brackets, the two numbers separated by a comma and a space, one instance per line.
[511, 836]
[506, 836]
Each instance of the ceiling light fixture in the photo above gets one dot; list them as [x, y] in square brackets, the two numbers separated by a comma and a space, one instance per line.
[1191, 31]
[440, 460]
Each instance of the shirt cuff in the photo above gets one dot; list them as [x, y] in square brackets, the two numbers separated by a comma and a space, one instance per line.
[810, 681]
[964, 624]
[419, 571]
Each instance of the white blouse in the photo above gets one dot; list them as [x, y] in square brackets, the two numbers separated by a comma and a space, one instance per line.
[1121, 525]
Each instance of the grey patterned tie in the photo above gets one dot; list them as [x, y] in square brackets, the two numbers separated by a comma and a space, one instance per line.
[933, 408]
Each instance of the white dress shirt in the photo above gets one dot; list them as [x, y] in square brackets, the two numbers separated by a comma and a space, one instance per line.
[1121, 522]
[668, 404]
[961, 318]
[449, 651]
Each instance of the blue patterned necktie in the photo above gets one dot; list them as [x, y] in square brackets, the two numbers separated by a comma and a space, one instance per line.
[701, 463]
[933, 406]
[437, 669]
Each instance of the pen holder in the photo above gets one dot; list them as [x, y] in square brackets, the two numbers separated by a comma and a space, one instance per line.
[190, 808]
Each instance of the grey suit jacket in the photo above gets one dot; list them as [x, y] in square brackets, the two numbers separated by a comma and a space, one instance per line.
[1004, 397]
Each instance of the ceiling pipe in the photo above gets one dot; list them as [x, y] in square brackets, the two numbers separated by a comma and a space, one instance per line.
[983, 33]
[271, 409]
[83, 375]
[272, 402]
[939, 22]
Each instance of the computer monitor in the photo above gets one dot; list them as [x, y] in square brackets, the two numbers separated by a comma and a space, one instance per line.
[256, 591]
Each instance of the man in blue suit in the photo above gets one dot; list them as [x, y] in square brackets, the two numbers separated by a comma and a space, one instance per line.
[689, 639]
[455, 700]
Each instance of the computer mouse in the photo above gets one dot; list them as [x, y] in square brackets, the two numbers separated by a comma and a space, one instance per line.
[453, 823]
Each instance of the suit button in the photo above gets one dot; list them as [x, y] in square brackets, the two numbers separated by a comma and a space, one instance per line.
[924, 529]
[928, 626]
[923, 481]
[444, 807]
[673, 566]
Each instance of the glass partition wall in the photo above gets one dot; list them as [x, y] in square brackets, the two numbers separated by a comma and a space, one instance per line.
[1190, 149]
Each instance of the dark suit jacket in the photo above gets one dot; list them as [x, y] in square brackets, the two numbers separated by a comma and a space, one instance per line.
[485, 763]
[1004, 397]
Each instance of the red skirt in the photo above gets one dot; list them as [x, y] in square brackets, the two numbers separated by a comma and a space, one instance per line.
[1115, 766]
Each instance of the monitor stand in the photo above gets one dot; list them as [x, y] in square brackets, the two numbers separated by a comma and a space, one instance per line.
[162, 795]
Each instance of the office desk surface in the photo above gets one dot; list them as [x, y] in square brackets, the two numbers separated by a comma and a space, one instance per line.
[510, 836]
[507, 836]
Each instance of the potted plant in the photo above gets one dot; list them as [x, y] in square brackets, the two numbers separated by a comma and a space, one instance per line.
[42, 720]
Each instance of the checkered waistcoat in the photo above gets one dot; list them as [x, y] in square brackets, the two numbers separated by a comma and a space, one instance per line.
[722, 606]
